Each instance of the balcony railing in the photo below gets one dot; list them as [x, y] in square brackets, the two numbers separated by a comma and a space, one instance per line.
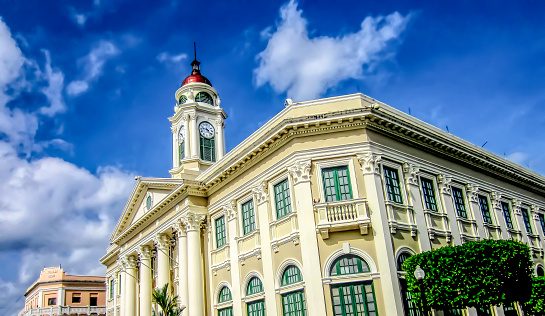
[342, 215]
[64, 310]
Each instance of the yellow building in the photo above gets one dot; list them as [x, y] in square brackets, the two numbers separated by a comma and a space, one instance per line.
[57, 293]
[311, 214]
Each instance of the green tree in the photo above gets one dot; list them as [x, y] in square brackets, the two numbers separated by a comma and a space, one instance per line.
[475, 274]
[166, 302]
[535, 306]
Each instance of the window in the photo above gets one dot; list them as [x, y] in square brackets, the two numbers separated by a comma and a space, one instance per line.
[183, 99]
[336, 184]
[256, 308]
[539, 271]
[291, 275]
[400, 259]
[354, 299]
[485, 209]
[282, 199]
[226, 312]
[349, 264]
[391, 180]
[208, 150]
[181, 152]
[220, 232]
[119, 283]
[293, 304]
[507, 215]
[429, 194]
[484, 311]
[111, 288]
[93, 300]
[248, 217]
[526, 219]
[409, 307]
[453, 312]
[76, 298]
[254, 286]
[225, 295]
[542, 221]
[148, 202]
[52, 301]
[204, 97]
[509, 309]
[459, 203]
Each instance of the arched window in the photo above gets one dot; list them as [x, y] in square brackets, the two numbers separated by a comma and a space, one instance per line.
[183, 99]
[204, 97]
[539, 271]
[254, 286]
[349, 264]
[291, 275]
[148, 202]
[225, 295]
[401, 258]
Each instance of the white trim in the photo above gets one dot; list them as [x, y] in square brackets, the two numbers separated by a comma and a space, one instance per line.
[282, 268]
[337, 162]
[219, 287]
[246, 281]
[355, 251]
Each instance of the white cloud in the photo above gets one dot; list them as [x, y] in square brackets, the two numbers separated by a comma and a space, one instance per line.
[166, 57]
[11, 57]
[93, 64]
[80, 18]
[53, 92]
[518, 157]
[306, 67]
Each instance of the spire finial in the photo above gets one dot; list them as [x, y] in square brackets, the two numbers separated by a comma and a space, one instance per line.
[195, 49]
[195, 63]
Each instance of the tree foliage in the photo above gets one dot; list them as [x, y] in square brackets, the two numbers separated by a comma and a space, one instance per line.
[536, 305]
[475, 274]
[166, 302]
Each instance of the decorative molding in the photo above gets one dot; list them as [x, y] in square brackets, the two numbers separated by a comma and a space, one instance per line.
[231, 210]
[444, 183]
[517, 206]
[181, 230]
[162, 241]
[411, 172]
[193, 221]
[224, 265]
[370, 162]
[260, 193]
[300, 171]
[495, 199]
[131, 262]
[144, 252]
[473, 193]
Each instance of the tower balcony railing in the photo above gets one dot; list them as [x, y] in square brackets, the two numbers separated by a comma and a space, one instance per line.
[342, 215]
[65, 310]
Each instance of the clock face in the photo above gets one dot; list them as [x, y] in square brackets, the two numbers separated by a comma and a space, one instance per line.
[181, 134]
[206, 129]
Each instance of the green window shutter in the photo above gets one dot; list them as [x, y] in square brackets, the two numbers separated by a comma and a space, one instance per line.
[459, 202]
[254, 286]
[291, 275]
[526, 218]
[204, 97]
[542, 221]
[354, 299]
[226, 312]
[293, 304]
[391, 180]
[429, 194]
[208, 150]
[256, 308]
[248, 217]
[336, 184]
[225, 295]
[507, 215]
[349, 264]
[112, 288]
[220, 232]
[181, 151]
[485, 209]
[282, 199]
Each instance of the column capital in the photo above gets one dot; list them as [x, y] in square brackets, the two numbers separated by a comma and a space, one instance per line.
[444, 182]
[181, 230]
[260, 193]
[192, 116]
[231, 209]
[300, 171]
[130, 262]
[473, 192]
[411, 172]
[370, 162]
[193, 221]
[495, 199]
[162, 241]
[144, 252]
[517, 206]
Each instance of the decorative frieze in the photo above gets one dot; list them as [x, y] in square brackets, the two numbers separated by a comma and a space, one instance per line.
[411, 172]
[300, 171]
[370, 162]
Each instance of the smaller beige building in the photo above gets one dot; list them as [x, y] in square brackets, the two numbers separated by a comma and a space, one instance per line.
[57, 293]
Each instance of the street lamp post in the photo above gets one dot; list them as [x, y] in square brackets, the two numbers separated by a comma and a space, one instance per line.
[420, 275]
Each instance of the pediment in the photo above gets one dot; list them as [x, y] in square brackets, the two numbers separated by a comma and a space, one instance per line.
[147, 193]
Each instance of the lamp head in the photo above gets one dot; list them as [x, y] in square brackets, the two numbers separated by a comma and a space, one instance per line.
[419, 274]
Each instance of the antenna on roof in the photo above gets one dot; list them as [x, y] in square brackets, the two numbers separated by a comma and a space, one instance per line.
[447, 128]
[484, 144]
[195, 49]
[409, 111]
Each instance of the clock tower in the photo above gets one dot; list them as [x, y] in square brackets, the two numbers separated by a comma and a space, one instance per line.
[197, 126]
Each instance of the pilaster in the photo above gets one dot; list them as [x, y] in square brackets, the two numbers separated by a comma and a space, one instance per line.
[193, 134]
[495, 200]
[411, 173]
[445, 190]
[475, 207]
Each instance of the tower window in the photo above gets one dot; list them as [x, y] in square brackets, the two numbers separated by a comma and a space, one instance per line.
[208, 150]
[183, 99]
[204, 97]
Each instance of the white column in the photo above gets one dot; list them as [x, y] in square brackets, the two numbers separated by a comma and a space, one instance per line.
[123, 289]
[130, 288]
[232, 233]
[187, 149]
[62, 297]
[220, 141]
[415, 200]
[162, 243]
[175, 151]
[312, 274]
[383, 241]
[449, 208]
[183, 293]
[194, 135]
[193, 224]
[145, 281]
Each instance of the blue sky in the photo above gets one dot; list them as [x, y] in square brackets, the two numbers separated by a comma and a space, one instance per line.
[86, 88]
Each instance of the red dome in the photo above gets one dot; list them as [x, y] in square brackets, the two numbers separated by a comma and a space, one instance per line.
[196, 75]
